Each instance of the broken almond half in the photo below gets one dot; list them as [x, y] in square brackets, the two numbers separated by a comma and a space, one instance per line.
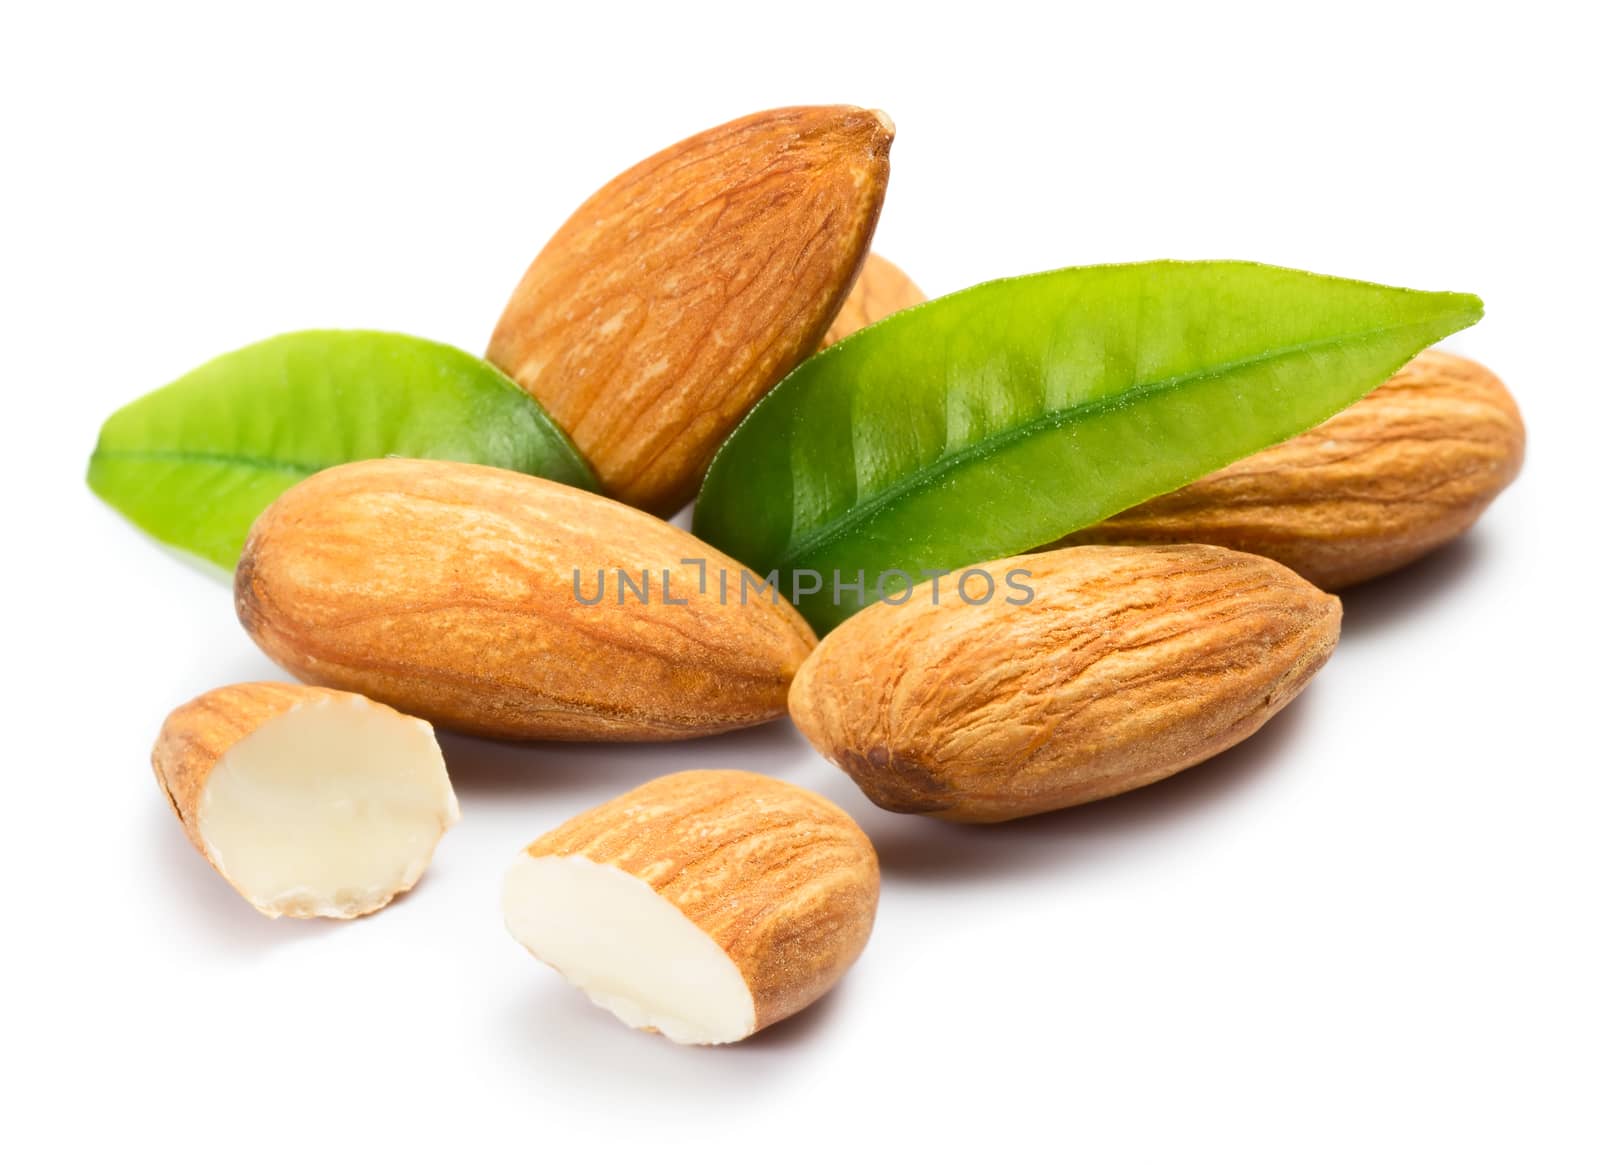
[311, 803]
[705, 905]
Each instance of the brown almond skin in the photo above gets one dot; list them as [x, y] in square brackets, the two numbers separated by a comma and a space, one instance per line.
[688, 286]
[446, 590]
[1129, 664]
[881, 290]
[780, 878]
[1398, 474]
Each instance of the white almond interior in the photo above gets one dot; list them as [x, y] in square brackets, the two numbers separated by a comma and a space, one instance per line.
[328, 810]
[629, 949]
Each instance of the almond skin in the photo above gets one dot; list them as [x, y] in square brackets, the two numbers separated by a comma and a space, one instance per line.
[1395, 476]
[691, 284]
[780, 878]
[1128, 665]
[447, 591]
[881, 290]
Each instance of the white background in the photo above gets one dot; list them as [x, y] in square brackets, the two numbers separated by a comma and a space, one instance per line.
[1366, 934]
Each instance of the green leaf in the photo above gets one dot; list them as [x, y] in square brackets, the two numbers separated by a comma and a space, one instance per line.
[995, 420]
[194, 463]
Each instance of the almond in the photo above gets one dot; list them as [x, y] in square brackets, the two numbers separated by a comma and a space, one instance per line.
[881, 290]
[705, 905]
[1126, 665]
[453, 592]
[691, 284]
[1396, 475]
[311, 803]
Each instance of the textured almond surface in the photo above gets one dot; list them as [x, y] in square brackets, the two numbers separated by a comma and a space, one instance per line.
[1398, 474]
[1129, 664]
[881, 290]
[446, 590]
[686, 287]
[779, 877]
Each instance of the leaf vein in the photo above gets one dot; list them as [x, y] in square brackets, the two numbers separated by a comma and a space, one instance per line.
[852, 519]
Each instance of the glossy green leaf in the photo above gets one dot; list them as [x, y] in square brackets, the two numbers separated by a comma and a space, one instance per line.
[194, 463]
[997, 419]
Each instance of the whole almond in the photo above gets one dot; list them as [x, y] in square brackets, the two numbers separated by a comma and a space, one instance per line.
[691, 284]
[706, 905]
[1127, 665]
[880, 290]
[1398, 474]
[453, 592]
[311, 803]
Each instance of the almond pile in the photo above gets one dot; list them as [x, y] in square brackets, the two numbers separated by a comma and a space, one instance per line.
[707, 905]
